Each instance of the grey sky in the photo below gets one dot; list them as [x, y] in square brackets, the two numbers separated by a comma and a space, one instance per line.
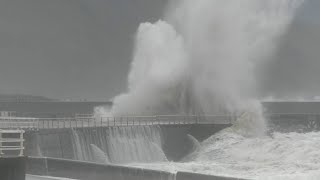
[82, 48]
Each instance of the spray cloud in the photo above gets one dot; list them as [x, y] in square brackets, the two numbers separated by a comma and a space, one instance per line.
[202, 58]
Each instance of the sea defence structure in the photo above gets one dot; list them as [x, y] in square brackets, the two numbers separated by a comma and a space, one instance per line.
[105, 144]
[150, 138]
[94, 171]
[94, 145]
[81, 138]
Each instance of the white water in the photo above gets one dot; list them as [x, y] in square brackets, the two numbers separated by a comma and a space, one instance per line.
[234, 152]
[203, 59]
[285, 156]
[119, 145]
[138, 144]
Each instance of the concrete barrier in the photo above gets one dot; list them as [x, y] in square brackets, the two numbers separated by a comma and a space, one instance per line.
[57, 143]
[195, 176]
[34, 177]
[93, 171]
[86, 170]
[12, 168]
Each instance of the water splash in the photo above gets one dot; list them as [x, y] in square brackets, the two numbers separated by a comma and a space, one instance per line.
[98, 155]
[138, 144]
[119, 145]
[202, 58]
[285, 156]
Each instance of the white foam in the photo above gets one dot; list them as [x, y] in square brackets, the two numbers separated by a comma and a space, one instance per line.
[202, 57]
[283, 156]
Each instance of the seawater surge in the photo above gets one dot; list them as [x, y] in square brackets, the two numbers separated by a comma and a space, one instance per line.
[119, 145]
[203, 57]
[281, 156]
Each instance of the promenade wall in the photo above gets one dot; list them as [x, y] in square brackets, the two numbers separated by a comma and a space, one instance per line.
[91, 171]
[94, 171]
[58, 143]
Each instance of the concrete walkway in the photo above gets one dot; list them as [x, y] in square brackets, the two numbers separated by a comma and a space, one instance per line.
[34, 177]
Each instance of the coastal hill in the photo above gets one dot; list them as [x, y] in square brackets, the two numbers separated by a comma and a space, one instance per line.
[23, 98]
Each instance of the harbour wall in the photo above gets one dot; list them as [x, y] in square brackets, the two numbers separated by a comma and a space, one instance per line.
[76, 144]
[91, 171]
[142, 143]
[197, 176]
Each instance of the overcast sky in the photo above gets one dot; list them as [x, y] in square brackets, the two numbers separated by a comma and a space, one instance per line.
[83, 48]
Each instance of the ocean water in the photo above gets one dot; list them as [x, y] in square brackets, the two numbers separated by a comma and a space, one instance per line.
[51, 109]
[285, 156]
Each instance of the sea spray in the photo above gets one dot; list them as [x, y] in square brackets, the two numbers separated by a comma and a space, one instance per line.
[285, 156]
[135, 144]
[202, 58]
[120, 145]
[98, 155]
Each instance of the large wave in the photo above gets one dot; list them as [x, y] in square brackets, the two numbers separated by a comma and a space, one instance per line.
[283, 156]
[202, 57]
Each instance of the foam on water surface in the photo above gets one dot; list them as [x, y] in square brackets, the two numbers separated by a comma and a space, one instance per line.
[280, 156]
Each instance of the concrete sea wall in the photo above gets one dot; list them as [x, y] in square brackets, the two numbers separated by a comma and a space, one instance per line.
[196, 176]
[94, 171]
[75, 144]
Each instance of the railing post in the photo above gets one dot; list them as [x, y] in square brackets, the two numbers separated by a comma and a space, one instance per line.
[82, 123]
[127, 120]
[197, 119]
[114, 121]
[1, 153]
[21, 143]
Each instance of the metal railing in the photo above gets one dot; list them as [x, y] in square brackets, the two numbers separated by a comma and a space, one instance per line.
[293, 116]
[91, 121]
[103, 121]
[11, 141]
[18, 123]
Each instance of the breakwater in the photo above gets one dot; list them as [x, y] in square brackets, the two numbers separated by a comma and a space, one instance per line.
[123, 144]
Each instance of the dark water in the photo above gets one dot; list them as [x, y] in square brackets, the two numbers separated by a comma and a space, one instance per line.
[62, 109]
[50, 109]
[302, 107]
